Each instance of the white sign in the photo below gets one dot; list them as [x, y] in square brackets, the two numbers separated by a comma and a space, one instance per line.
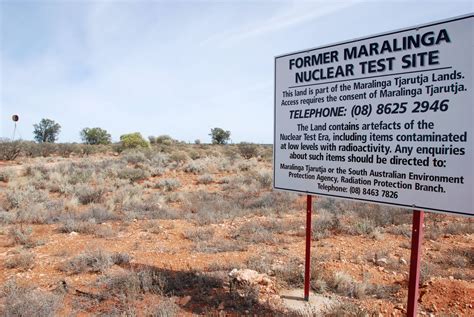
[385, 119]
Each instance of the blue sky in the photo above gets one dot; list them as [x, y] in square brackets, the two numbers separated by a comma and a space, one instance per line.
[171, 67]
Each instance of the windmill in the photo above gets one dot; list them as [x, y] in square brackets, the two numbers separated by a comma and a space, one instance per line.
[15, 119]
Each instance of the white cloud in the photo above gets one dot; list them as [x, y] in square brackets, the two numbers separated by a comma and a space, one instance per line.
[288, 16]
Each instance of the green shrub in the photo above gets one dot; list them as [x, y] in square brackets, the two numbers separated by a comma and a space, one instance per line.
[133, 141]
[95, 136]
[219, 136]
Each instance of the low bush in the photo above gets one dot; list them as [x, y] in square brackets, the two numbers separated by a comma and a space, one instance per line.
[87, 194]
[165, 308]
[73, 225]
[152, 226]
[66, 149]
[98, 214]
[200, 234]
[26, 301]
[457, 227]
[6, 217]
[261, 263]
[248, 150]
[205, 179]
[132, 283]
[165, 140]
[150, 207]
[89, 261]
[179, 157]
[9, 150]
[265, 179]
[254, 233]
[324, 224]
[94, 261]
[290, 273]
[133, 174]
[194, 167]
[105, 232]
[46, 149]
[23, 196]
[23, 261]
[6, 175]
[120, 258]
[343, 284]
[168, 184]
[134, 157]
[126, 284]
[20, 235]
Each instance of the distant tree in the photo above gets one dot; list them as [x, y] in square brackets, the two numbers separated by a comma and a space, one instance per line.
[46, 131]
[219, 136]
[133, 140]
[95, 136]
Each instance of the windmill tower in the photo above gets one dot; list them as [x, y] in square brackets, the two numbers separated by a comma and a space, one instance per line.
[15, 119]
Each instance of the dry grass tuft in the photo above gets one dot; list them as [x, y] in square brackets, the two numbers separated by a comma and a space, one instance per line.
[23, 261]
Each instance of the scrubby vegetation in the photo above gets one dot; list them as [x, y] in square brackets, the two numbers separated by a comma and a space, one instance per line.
[123, 225]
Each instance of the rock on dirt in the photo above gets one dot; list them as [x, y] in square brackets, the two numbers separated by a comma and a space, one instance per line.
[246, 278]
[244, 281]
[382, 261]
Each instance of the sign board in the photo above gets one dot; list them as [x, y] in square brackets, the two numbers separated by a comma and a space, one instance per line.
[385, 119]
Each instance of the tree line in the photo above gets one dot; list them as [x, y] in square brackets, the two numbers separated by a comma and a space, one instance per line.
[47, 131]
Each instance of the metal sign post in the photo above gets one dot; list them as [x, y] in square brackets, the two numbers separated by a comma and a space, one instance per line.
[414, 279]
[307, 264]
